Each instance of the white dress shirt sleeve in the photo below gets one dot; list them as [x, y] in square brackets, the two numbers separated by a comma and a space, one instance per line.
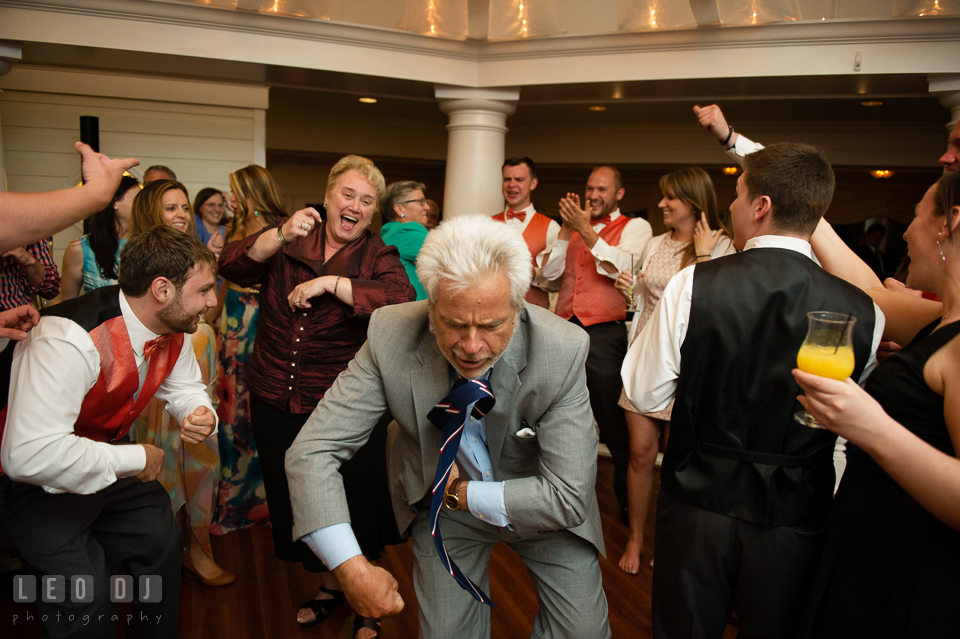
[636, 234]
[652, 365]
[553, 260]
[182, 392]
[39, 445]
[743, 147]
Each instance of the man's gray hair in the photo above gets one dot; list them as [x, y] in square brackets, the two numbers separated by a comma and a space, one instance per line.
[165, 169]
[469, 248]
[397, 193]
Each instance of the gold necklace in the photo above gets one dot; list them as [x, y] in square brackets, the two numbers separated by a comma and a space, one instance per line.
[949, 313]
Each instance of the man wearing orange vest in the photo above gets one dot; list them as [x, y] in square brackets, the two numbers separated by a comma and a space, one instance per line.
[539, 231]
[593, 246]
[74, 504]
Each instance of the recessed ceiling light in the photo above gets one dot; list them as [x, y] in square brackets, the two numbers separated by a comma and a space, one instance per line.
[368, 100]
[871, 103]
[597, 108]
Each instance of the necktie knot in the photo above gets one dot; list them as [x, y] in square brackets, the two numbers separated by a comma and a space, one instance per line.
[521, 215]
[152, 346]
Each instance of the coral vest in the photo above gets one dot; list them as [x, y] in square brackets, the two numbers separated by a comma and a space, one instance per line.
[535, 235]
[584, 292]
[109, 407]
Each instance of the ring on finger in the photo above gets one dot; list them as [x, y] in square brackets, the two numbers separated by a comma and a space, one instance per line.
[305, 226]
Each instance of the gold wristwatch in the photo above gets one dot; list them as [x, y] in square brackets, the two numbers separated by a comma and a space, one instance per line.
[451, 498]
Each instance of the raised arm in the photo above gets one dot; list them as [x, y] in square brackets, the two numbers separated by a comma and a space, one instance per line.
[29, 217]
[905, 314]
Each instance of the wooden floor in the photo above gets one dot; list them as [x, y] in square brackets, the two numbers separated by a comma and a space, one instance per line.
[263, 601]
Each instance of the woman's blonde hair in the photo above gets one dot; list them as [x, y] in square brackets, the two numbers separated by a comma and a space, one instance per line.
[693, 187]
[255, 183]
[364, 167]
[148, 207]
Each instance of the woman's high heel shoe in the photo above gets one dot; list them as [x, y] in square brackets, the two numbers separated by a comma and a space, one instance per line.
[223, 579]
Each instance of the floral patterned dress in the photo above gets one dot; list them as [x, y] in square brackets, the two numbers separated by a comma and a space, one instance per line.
[190, 472]
[241, 501]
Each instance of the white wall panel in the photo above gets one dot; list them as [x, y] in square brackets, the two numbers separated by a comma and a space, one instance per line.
[203, 143]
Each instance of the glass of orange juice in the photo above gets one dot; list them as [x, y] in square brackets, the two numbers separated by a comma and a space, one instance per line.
[827, 351]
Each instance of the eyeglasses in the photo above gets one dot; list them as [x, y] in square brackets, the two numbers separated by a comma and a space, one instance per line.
[422, 201]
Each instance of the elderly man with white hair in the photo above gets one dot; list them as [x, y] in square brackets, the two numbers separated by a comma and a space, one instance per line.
[492, 442]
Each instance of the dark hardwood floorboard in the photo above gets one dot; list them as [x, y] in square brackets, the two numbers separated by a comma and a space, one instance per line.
[262, 603]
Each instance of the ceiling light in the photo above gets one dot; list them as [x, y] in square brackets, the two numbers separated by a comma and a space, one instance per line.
[730, 170]
[882, 174]
[871, 103]
[368, 100]
[597, 108]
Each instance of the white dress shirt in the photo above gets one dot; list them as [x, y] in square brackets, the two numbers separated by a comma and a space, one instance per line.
[633, 240]
[652, 365]
[53, 370]
[743, 147]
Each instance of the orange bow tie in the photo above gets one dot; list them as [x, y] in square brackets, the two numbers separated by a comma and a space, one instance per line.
[152, 346]
[522, 215]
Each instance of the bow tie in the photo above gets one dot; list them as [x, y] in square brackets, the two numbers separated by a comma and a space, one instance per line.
[603, 220]
[152, 346]
[522, 215]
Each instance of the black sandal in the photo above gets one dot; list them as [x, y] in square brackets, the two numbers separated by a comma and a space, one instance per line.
[370, 623]
[322, 608]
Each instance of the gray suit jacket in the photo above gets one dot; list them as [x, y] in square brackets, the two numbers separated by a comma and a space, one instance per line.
[540, 382]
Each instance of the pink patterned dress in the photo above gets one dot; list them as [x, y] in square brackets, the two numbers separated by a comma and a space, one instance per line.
[660, 267]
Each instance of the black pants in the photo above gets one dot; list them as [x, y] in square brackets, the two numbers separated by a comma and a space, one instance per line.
[608, 348]
[126, 527]
[709, 564]
[364, 481]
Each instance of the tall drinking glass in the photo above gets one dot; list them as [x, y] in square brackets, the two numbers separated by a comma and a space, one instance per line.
[633, 290]
[827, 351]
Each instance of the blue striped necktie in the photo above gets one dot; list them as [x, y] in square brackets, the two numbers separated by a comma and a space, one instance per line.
[449, 416]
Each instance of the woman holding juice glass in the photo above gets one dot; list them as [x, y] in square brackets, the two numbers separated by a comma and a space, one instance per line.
[696, 234]
[891, 563]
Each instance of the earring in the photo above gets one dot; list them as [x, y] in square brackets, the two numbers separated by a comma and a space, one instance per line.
[942, 256]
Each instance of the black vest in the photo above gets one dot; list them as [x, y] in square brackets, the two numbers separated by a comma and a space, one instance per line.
[89, 311]
[735, 448]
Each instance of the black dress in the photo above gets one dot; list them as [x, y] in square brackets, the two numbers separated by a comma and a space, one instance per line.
[889, 567]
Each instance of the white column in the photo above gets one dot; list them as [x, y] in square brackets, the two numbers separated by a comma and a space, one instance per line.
[8, 54]
[475, 147]
[947, 89]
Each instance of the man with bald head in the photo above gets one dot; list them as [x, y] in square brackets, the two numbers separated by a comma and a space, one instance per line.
[594, 245]
[951, 159]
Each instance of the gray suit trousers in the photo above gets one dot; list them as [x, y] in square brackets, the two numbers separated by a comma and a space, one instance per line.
[564, 567]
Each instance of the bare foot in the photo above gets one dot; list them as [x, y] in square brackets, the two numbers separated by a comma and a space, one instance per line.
[630, 561]
[305, 615]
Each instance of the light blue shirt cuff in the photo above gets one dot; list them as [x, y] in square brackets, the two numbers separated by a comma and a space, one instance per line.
[485, 500]
[334, 544]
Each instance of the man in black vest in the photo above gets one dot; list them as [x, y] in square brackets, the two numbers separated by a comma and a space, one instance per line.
[745, 489]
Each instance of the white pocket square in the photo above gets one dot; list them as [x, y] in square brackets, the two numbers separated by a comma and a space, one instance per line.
[525, 433]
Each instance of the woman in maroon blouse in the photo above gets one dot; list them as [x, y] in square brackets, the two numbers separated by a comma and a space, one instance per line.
[320, 281]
